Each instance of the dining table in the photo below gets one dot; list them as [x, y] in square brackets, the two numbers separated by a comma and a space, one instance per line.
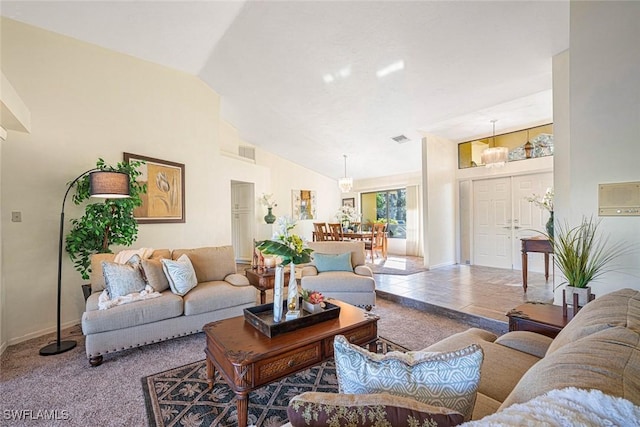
[361, 235]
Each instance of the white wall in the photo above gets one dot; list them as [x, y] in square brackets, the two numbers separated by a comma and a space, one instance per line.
[599, 143]
[439, 164]
[88, 102]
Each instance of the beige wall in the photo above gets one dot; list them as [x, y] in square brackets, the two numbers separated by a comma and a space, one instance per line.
[87, 102]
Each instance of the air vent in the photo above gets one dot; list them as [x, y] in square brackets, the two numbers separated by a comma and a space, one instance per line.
[247, 152]
[400, 139]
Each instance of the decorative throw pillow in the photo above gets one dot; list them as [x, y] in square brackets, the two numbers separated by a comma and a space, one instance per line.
[332, 262]
[449, 379]
[123, 279]
[180, 274]
[154, 274]
[366, 410]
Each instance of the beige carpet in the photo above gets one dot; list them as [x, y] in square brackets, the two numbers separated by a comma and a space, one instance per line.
[111, 394]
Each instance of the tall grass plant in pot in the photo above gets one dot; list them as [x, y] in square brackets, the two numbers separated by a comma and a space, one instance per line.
[583, 254]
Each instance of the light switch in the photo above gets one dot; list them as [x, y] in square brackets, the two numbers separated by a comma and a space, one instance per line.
[16, 216]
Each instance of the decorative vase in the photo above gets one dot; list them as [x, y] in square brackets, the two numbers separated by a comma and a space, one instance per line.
[292, 297]
[278, 290]
[584, 295]
[549, 225]
[269, 218]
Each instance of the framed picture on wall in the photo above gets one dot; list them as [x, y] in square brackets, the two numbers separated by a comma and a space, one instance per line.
[164, 200]
[351, 202]
[303, 204]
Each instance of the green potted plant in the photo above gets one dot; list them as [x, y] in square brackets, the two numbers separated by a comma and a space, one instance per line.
[104, 224]
[582, 254]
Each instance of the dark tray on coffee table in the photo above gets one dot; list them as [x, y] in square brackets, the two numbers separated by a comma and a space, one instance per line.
[261, 318]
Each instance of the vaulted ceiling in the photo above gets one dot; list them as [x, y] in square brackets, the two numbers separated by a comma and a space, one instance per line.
[313, 80]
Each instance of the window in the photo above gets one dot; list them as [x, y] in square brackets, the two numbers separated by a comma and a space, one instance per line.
[386, 206]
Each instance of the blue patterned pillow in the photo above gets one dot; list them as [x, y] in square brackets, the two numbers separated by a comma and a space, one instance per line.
[449, 379]
[332, 262]
[123, 279]
[180, 274]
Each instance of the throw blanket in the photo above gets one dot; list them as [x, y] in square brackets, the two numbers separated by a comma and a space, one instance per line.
[566, 407]
[105, 303]
[124, 256]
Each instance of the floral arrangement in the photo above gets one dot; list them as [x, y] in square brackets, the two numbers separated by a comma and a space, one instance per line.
[347, 214]
[268, 201]
[543, 202]
[288, 246]
[312, 297]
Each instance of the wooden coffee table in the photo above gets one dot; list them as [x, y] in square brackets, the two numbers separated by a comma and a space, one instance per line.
[263, 279]
[246, 359]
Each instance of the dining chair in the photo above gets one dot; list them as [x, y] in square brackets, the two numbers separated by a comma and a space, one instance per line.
[335, 229]
[321, 232]
[377, 242]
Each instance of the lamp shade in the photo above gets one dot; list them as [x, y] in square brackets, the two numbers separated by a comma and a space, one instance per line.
[109, 185]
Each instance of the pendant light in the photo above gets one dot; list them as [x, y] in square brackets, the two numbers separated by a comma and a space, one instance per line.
[346, 183]
[494, 157]
[528, 148]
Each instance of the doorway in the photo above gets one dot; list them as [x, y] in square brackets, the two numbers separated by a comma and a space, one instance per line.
[242, 220]
[502, 216]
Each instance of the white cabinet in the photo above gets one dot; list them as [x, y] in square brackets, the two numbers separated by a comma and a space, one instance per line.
[242, 220]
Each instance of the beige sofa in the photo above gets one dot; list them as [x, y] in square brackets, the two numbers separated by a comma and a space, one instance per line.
[599, 349]
[219, 294]
[356, 286]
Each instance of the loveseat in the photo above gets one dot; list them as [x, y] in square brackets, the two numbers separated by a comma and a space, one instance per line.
[592, 364]
[220, 293]
[338, 270]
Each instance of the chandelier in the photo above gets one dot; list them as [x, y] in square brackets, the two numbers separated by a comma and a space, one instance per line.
[346, 183]
[494, 157]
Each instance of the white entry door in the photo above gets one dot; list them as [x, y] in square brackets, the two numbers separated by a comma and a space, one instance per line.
[492, 245]
[529, 220]
[502, 216]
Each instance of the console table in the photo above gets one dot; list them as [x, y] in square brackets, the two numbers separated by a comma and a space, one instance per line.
[535, 244]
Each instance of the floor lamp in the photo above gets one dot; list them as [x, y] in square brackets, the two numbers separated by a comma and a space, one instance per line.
[103, 184]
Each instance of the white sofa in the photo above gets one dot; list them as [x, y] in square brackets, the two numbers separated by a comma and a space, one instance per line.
[356, 287]
[219, 294]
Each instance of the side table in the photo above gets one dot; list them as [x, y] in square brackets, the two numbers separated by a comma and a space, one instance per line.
[263, 279]
[535, 244]
[545, 319]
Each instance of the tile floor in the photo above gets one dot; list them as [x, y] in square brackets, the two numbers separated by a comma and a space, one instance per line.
[463, 290]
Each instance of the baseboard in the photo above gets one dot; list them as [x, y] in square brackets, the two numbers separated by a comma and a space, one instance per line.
[3, 347]
[37, 334]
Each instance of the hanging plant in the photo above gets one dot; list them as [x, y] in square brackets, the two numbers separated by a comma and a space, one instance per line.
[104, 224]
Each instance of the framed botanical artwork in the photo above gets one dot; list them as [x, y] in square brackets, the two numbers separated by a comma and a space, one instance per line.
[303, 204]
[164, 200]
[351, 202]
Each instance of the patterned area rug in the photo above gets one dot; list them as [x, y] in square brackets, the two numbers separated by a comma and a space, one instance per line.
[179, 397]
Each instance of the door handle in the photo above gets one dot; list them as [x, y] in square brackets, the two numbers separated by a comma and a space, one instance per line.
[516, 227]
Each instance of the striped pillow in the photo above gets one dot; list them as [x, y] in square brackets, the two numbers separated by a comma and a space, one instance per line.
[180, 274]
[448, 380]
